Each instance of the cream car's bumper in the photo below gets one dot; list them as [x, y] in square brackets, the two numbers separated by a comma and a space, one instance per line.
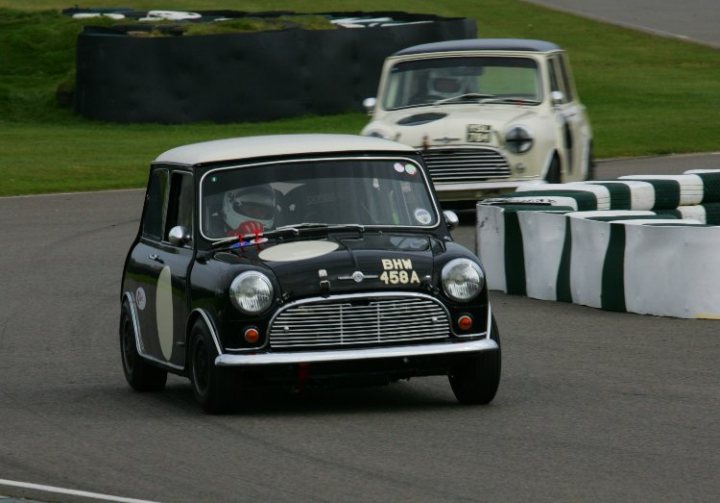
[469, 192]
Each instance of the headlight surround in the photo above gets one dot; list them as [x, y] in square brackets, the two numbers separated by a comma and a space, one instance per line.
[251, 292]
[462, 279]
[518, 139]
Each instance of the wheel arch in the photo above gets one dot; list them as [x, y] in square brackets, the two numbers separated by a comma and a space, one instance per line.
[129, 299]
[553, 155]
[202, 316]
[139, 347]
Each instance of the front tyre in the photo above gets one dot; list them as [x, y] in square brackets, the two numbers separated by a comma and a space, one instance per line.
[214, 388]
[140, 374]
[475, 379]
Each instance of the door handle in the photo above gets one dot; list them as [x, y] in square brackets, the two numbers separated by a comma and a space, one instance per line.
[156, 258]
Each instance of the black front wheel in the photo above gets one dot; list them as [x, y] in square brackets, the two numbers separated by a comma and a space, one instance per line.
[215, 388]
[475, 379]
[140, 374]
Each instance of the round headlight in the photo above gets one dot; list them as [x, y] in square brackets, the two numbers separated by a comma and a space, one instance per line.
[462, 279]
[251, 292]
[518, 140]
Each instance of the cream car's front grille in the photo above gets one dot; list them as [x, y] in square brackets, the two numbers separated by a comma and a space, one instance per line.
[459, 165]
[359, 321]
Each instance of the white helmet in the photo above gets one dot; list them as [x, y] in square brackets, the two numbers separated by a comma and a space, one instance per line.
[256, 203]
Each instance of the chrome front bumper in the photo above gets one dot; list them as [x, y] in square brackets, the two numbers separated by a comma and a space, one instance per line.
[479, 190]
[279, 358]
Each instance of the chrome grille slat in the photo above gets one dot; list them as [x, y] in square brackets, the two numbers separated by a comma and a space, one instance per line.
[419, 307]
[367, 320]
[319, 334]
[371, 338]
[465, 164]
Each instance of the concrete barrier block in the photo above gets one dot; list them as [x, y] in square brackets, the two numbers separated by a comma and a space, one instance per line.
[543, 235]
[490, 244]
[500, 244]
[680, 280]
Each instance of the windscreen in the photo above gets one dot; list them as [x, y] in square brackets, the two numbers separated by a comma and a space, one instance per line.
[423, 82]
[370, 192]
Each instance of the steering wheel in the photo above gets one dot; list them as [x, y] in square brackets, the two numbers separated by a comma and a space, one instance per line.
[247, 227]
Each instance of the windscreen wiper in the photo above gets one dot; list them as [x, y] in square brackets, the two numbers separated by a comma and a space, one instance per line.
[293, 229]
[464, 97]
[511, 99]
[298, 228]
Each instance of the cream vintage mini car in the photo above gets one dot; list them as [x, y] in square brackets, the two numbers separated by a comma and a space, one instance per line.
[488, 115]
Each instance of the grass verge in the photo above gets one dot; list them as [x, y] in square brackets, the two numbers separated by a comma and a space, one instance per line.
[645, 95]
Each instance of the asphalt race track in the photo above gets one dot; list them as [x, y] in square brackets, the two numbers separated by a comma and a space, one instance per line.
[695, 20]
[592, 405]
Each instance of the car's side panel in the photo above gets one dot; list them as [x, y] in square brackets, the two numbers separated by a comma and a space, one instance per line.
[156, 279]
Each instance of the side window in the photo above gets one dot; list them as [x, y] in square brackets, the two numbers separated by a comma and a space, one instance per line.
[552, 72]
[567, 81]
[180, 210]
[156, 204]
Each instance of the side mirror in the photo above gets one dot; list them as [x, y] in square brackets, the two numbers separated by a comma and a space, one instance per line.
[179, 236]
[451, 219]
[369, 104]
[557, 97]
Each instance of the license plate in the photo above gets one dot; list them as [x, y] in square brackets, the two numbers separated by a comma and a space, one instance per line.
[478, 133]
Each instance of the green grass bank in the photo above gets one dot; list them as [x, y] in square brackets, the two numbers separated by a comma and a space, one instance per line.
[645, 95]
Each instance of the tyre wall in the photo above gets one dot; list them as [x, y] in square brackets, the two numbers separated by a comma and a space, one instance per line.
[622, 248]
[243, 76]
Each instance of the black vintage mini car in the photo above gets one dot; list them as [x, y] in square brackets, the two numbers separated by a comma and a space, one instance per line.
[301, 260]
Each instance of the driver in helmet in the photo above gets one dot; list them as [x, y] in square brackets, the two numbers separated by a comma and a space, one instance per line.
[249, 210]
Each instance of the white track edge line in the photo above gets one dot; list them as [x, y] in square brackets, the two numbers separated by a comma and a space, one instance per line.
[72, 492]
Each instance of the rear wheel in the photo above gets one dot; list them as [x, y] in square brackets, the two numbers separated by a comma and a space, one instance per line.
[215, 388]
[590, 163]
[475, 380]
[140, 374]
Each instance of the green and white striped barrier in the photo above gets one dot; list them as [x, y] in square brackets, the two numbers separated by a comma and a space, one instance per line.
[711, 183]
[588, 196]
[672, 191]
[537, 243]
[671, 271]
[499, 242]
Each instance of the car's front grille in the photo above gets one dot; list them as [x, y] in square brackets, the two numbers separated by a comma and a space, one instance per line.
[359, 320]
[458, 165]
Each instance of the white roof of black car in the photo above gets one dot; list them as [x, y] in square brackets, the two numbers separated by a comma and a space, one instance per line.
[276, 145]
[481, 44]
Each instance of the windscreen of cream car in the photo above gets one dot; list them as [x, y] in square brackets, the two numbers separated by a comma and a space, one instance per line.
[424, 82]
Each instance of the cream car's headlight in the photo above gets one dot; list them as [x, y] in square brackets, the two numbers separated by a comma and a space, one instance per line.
[462, 279]
[518, 139]
[251, 292]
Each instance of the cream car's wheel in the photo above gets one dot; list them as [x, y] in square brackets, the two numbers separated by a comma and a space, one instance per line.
[590, 163]
[553, 173]
[476, 379]
[139, 373]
